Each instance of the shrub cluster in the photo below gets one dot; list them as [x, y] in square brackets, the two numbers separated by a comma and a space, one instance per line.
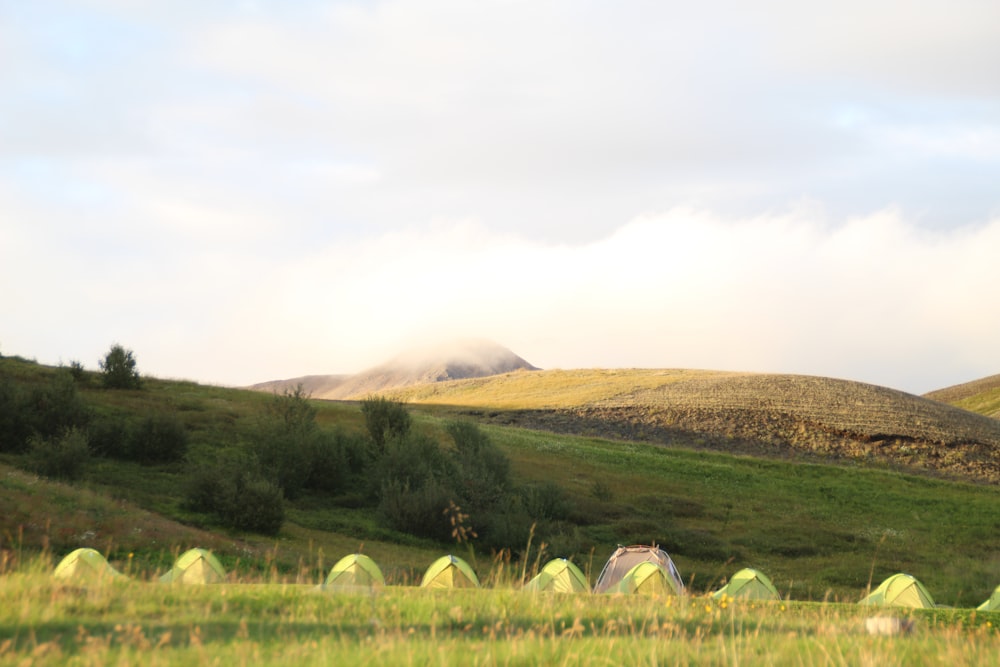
[234, 492]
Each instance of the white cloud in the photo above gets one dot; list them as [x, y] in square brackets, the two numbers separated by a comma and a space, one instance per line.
[304, 188]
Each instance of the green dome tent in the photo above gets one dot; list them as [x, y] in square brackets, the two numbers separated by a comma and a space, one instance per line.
[85, 565]
[559, 576]
[195, 566]
[748, 584]
[625, 558]
[354, 571]
[900, 590]
[993, 604]
[449, 572]
[646, 578]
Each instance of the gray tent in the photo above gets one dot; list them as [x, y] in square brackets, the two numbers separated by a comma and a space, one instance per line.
[625, 558]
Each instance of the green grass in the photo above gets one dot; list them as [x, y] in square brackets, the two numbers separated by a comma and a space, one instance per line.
[819, 531]
[45, 622]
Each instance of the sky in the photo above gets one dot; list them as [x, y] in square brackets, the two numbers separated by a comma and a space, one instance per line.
[247, 191]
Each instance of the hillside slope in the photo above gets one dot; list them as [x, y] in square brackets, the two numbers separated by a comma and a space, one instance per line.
[774, 415]
[982, 396]
[450, 361]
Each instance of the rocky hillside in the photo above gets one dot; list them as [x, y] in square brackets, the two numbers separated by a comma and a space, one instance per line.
[427, 365]
[758, 414]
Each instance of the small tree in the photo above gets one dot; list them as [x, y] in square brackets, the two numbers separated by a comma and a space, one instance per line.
[119, 370]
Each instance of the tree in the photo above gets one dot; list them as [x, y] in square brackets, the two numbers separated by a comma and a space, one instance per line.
[119, 370]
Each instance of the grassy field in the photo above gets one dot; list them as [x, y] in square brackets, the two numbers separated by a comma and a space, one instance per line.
[820, 531]
[43, 622]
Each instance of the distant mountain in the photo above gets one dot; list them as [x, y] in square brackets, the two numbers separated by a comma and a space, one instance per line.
[982, 396]
[458, 360]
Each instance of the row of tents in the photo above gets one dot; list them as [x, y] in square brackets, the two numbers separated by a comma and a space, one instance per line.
[639, 569]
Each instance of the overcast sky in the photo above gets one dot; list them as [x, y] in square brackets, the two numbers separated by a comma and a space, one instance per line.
[247, 191]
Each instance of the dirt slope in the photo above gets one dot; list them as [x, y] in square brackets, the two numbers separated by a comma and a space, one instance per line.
[774, 415]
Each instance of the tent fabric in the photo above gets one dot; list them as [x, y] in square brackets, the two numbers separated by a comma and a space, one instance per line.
[748, 584]
[195, 566]
[85, 565]
[354, 571]
[625, 558]
[559, 576]
[449, 572]
[900, 590]
[646, 578]
[993, 603]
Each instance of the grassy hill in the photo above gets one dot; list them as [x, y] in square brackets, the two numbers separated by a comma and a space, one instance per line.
[766, 415]
[818, 530]
[981, 396]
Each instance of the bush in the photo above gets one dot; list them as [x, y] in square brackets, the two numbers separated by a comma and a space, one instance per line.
[160, 438]
[62, 457]
[119, 369]
[56, 407]
[411, 461]
[15, 427]
[546, 502]
[328, 462]
[284, 441]
[482, 470]
[416, 510]
[258, 506]
[384, 420]
[232, 491]
[111, 437]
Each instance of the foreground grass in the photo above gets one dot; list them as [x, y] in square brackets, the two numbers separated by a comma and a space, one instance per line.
[46, 622]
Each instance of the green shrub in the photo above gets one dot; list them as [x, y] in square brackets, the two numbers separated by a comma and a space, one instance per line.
[55, 407]
[546, 501]
[118, 368]
[231, 490]
[258, 506]
[328, 462]
[418, 510]
[482, 470]
[159, 438]
[111, 437]
[384, 420]
[15, 428]
[62, 457]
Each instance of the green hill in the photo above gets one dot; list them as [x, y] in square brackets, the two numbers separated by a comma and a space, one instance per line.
[818, 530]
[981, 396]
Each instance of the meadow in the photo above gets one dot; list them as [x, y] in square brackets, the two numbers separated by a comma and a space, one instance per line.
[824, 530]
[45, 622]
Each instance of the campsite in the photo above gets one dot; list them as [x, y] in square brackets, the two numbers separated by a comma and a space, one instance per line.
[765, 556]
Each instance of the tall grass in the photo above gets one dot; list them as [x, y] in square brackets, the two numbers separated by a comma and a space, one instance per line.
[43, 621]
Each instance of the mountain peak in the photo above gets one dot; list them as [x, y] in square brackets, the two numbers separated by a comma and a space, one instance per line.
[455, 360]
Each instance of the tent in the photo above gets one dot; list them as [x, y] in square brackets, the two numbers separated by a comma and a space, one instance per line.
[625, 558]
[354, 571]
[559, 576]
[993, 604]
[449, 572]
[85, 565]
[900, 590]
[196, 566]
[646, 578]
[748, 584]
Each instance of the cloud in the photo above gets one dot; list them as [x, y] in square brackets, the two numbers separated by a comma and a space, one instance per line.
[874, 298]
[249, 190]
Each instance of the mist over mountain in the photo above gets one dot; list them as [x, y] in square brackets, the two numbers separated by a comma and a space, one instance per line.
[457, 360]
